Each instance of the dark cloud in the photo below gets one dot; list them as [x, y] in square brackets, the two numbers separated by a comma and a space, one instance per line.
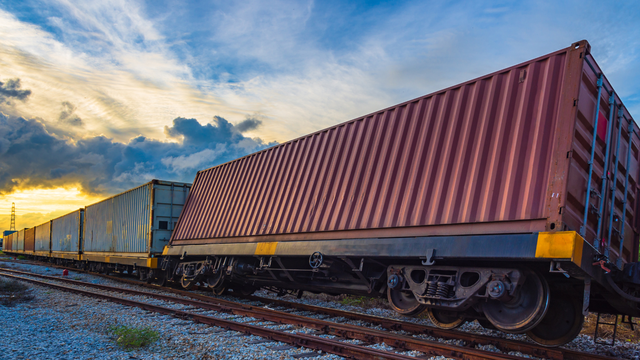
[31, 156]
[248, 125]
[67, 115]
[11, 90]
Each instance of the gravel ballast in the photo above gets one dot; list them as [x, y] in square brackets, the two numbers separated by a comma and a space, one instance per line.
[60, 325]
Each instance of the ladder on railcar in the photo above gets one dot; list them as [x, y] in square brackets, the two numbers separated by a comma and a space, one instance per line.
[600, 243]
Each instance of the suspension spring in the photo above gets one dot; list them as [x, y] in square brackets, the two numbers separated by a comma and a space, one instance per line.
[432, 288]
[443, 290]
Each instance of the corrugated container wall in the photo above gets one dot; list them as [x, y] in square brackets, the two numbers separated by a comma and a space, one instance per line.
[477, 152]
[7, 242]
[20, 241]
[29, 239]
[136, 221]
[66, 232]
[43, 237]
[487, 156]
[615, 131]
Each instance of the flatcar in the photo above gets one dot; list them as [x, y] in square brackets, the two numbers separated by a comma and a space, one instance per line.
[510, 199]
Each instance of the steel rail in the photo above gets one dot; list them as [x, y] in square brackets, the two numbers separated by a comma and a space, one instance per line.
[505, 345]
[403, 342]
[308, 341]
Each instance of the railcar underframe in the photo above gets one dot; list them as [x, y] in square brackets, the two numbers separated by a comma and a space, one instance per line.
[536, 283]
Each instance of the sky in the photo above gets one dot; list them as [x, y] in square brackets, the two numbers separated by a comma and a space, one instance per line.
[97, 97]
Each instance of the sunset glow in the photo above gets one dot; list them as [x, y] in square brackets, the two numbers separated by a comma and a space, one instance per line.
[97, 97]
[36, 206]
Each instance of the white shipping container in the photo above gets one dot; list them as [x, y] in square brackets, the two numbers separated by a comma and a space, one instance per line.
[136, 221]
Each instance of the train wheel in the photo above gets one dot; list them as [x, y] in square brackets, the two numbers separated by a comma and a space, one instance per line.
[445, 319]
[486, 324]
[563, 320]
[403, 302]
[187, 284]
[157, 277]
[217, 291]
[245, 290]
[524, 311]
[142, 274]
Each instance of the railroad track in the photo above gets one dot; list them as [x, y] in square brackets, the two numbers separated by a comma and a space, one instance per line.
[369, 336]
[400, 342]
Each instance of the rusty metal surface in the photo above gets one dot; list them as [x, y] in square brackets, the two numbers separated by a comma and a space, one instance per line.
[478, 152]
[29, 239]
[7, 241]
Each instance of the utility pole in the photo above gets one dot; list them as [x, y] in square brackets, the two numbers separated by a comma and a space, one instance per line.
[13, 216]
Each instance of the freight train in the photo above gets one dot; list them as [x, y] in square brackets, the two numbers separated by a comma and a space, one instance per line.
[510, 199]
[124, 233]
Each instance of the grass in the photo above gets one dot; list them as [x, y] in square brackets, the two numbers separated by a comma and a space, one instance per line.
[13, 292]
[20, 257]
[624, 332]
[129, 337]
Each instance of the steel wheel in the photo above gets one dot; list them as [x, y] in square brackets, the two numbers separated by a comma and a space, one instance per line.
[403, 302]
[142, 275]
[245, 290]
[445, 319]
[217, 291]
[187, 284]
[157, 278]
[524, 311]
[563, 320]
[486, 324]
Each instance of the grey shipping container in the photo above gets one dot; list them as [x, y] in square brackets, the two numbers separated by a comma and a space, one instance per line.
[66, 235]
[20, 241]
[135, 224]
[43, 239]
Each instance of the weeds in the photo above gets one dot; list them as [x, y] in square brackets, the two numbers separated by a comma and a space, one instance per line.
[20, 257]
[13, 292]
[129, 337]
[625, 332]
[362, 301]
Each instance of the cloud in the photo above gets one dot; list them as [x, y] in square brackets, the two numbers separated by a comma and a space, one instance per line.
[32, 157]
[11, 90]
[248, 125]
[67, 115]
[193, 161]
